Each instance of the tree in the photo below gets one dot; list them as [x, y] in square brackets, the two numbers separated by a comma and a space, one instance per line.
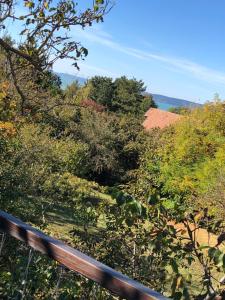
[128, 96]
[72, 90]
[33, 92]
[102, 90]
[115, 144]
[97, 130]
[147, 103]
[186, 162]
[181, 110]
[123, 95]
[7, 105]
[216, 97]
[47, 24]
[45, 39]
[130, 144]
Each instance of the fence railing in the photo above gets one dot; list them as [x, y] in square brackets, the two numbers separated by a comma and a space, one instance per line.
[73, 259]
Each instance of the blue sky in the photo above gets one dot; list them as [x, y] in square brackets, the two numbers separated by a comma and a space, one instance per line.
[177, 47]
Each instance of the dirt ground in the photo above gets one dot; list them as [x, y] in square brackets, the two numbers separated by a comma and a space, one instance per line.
[203, 237]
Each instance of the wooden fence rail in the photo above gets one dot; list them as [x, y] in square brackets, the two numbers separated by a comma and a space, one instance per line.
[110, 279]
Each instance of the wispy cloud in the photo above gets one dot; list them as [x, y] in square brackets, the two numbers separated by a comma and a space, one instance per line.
[98, 36]
[188, 66]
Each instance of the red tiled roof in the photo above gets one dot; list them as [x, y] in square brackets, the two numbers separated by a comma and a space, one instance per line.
[159, 118]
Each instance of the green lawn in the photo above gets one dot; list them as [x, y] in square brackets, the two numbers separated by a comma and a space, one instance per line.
[61, 219]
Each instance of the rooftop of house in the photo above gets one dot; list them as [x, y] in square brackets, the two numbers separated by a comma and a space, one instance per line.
[157, 118]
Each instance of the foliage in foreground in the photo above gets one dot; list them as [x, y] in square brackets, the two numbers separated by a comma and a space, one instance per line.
[135, 201]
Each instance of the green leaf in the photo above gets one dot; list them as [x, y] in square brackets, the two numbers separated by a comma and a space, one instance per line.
[168, 204]
[204, 247]
[46, 5]
[190, 260]
[220, 260]
[153, 199]
[129, 222]
[29, 4]
[177, 296]
[211, 252]
[96, 7]
[119, 198]
[174, 265]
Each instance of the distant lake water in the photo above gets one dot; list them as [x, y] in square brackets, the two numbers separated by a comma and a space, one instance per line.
[164, 106]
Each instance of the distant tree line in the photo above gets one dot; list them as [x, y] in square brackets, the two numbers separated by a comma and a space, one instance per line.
[122, 95]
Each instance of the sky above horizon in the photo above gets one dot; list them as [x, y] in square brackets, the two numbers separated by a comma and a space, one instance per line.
[176, 47]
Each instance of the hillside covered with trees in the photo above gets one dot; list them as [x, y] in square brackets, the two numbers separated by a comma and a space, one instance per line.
[77, 164]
